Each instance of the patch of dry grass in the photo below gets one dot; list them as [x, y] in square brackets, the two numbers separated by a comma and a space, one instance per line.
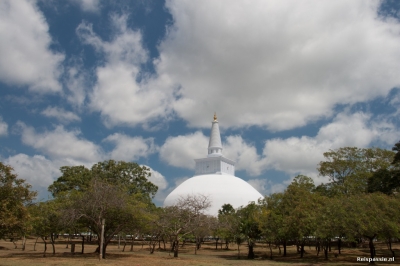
[207, 255]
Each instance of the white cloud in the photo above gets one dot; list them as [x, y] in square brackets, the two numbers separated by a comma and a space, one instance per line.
[244, 154]
[301, 155]
[259, 184]
[180, 151]
[36, 170]
[130, 148]
[88, 5]
[158, 179]
[277, 64]
[294, 155]
[76, 82]
[62, 144]
[266, 187]
[25, 57]
[3, 127]
[118, 95]
[60, 114]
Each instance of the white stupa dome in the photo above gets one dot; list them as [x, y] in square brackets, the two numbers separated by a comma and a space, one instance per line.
[215, 178]
[219, 188]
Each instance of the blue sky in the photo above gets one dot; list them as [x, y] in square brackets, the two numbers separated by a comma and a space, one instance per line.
[82, 81]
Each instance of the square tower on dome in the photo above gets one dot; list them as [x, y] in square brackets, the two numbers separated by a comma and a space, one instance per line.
[215, 162]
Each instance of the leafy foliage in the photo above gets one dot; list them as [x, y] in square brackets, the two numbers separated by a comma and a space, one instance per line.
[133, 177]
[116, 191]
[15, 194]
[350, 168]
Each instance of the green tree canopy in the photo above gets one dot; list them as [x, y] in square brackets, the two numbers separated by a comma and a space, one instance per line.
[103, 200]
[396, 158]
[116, 191]
[248, 225]
[133, 177]
[349, 168]
[15, 194]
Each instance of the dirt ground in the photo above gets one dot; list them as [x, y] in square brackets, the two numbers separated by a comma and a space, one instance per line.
[207, 255]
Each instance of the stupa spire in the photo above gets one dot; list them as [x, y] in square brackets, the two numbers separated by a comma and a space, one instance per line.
[215, 144]
[215, 162]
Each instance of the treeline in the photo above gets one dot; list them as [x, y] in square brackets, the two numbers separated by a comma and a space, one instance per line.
[358, 202]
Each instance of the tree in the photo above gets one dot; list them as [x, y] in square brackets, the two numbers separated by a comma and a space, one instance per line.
[15, 194]
[396, 158]
[370, 216]
[73, 178]
[290, 215]
[332, 222]
[117, 191]
[349, 168]
[248, 226]
[128, 174]
[103, 200]
[183, 218]
[206, 224]
[228, 224]
[272, 221]
[383, 180]
[46, 221]
[387, 180]
[300, 204]
[226, 209]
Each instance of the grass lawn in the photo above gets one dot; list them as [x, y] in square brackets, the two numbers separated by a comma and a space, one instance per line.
[207, 255]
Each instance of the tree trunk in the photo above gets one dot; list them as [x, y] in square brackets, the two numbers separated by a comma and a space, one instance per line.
[45, 247]
[23, 243]
[15, 243]
[83, 244]
[123, 249]
[101, 246]
[216, 243]
[390, 248]
[52, 243]
[284, 247]
[153, 247]
[172, 245]
[67, 242]
[327, 245]
[133, 239]
[339, 245]
[105, 244]
[198, 242]
[104, 249]
[250, 255]
[34, 246]
[270, 250]
[371, 248]
[302, 249]
[176, 248]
